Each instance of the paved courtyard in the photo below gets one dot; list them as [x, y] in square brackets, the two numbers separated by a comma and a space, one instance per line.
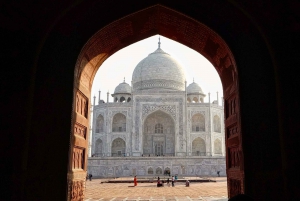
[95, 190]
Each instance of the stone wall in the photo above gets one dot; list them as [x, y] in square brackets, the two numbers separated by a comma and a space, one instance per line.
[144, 166]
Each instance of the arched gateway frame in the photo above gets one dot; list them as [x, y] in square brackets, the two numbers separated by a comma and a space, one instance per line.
[140, 25]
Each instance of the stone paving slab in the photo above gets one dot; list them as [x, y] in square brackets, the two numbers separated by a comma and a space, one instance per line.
[206, 191]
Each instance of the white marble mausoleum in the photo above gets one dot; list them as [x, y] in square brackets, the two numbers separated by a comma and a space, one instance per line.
[157, 124]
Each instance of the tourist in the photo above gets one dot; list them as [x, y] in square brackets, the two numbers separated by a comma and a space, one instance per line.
[187, 183]
[218, 173]
[159, 182]
[173, 181]
[135, 181]
[168, 182]
[90, 177]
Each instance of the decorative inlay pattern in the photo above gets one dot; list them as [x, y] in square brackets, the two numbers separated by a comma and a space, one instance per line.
[112, 113]
[115, 136]
[149, 84]
[197, 111]
[149, 108]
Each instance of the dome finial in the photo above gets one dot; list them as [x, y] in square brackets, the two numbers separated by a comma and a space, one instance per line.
[124, 80]
[193, 80]
[158, 41]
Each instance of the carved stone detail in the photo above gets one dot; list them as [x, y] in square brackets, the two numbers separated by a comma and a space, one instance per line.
[230, 107]
[81, 104]
[112, 113]
[232, 131]
[235, 187]
[234, 158]
[148, 84]
[115, 136]
[78, 158]
[149, 108]
[76, 190]
[197, 112]
[194, 136]
[80, 130]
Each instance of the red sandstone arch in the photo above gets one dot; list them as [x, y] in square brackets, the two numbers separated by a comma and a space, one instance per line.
[137, 26]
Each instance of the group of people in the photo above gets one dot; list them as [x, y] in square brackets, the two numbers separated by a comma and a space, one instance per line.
[160, 183]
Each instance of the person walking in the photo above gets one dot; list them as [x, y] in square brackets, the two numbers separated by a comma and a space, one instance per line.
[135, 181]
[168, 182]
[90, 177]
[173, 181]
[159, 183]
[218, 173]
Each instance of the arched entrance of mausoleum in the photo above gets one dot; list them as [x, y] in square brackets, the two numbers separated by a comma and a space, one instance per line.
[140, 25]
[159, 134]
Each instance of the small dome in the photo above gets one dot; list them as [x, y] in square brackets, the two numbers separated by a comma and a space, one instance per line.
[194, 88]
[123, 88]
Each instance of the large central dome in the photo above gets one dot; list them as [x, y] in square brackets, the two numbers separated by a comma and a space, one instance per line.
[158, 71]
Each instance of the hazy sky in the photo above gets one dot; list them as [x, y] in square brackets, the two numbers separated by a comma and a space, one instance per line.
[122, 63]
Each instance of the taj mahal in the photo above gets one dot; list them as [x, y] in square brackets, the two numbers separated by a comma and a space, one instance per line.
[157, 125]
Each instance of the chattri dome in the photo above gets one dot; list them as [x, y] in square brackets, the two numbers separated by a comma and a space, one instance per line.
[194, 88]
[158, 71]
[123, 88]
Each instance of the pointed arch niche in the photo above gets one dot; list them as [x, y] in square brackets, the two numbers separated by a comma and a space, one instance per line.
[99, 124]
[119, 123]
[98, 148]
[159, 134]
[198, 147]
[137, 26]
[118, 147]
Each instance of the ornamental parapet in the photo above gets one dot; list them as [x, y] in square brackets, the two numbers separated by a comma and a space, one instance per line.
[117, 104]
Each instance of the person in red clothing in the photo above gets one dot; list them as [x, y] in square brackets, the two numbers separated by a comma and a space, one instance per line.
[135, 181]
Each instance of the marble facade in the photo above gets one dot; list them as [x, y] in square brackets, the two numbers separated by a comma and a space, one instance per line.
[158, 118]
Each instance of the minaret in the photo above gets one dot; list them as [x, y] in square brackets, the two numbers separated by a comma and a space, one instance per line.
[210, 125]
[99, 97]
[187, 142]
[158, 42]
[217, 98]
[94, 101]
[107, 96]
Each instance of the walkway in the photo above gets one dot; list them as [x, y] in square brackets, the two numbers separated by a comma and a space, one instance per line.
[208, 191]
